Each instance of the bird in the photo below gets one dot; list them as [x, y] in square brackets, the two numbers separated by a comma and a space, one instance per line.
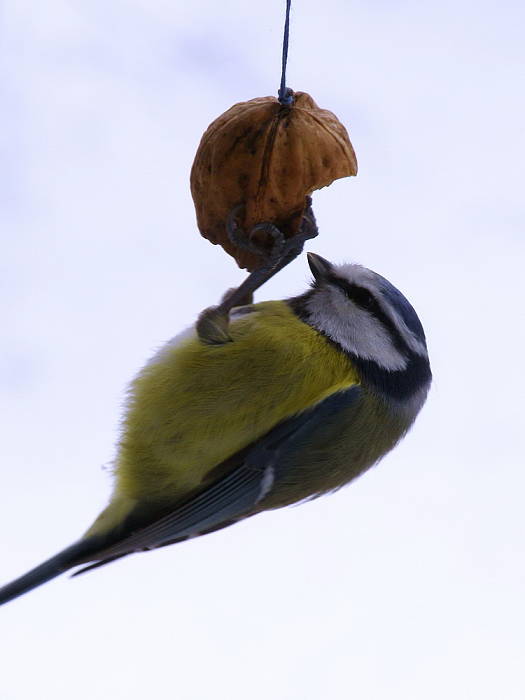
[305, 395]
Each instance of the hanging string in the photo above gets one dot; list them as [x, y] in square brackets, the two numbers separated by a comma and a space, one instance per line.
[285, 95]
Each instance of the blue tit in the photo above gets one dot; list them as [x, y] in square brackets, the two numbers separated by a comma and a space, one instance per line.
[305, 395]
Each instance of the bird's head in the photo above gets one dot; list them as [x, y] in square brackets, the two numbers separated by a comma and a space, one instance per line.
[371, 321]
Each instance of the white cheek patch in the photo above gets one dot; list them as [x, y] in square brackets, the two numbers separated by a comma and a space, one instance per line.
[354, 329]
[362, 276]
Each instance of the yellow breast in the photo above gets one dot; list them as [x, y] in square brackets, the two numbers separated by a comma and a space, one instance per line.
[194, 405]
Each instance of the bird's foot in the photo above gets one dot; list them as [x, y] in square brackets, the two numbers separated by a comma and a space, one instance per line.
[268, 242]
[276, 251]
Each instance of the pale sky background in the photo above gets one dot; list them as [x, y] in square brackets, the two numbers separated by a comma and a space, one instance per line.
[409, 583]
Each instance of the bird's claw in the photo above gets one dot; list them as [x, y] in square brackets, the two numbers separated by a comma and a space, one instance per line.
[212, 326]
[268, 242]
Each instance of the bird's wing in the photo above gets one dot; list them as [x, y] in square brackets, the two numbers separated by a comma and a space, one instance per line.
[250, 476]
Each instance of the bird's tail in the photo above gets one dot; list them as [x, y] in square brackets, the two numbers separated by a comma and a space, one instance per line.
[77, 553]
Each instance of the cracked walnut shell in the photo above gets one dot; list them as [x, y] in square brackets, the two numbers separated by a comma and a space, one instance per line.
[261, 159]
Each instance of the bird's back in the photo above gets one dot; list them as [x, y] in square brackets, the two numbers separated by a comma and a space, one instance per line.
[195, 405]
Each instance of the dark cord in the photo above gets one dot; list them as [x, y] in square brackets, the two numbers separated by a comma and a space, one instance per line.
[285, 94]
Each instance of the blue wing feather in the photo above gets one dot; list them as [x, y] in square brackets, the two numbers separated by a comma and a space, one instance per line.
[241, 492]
[237, 494]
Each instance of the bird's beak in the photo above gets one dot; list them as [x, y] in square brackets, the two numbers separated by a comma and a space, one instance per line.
[320, 267]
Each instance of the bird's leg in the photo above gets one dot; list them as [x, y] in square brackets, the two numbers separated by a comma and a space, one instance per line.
[212, 325]
[281, 252]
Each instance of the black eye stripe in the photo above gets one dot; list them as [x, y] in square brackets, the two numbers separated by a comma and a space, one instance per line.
[361, 296]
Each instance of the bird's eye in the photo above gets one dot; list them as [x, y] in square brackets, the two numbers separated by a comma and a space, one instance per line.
[359, 295]
[363, 297]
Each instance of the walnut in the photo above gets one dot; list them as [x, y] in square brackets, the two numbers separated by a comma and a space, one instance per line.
[258, 162]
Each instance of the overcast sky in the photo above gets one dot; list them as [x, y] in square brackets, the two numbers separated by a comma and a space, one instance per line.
[407, 584]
